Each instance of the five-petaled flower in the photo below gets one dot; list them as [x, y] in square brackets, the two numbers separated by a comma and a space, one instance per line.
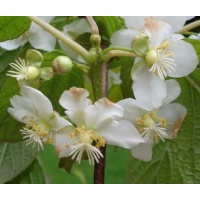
[35, 110]
[94, 125]
[157, 124]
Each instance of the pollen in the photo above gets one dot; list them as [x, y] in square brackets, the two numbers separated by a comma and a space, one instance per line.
[87, 136]
[152, 127]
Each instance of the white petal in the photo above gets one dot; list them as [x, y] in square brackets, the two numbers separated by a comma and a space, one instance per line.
[58, 123]
[149, 90]
[75, 99]
[173, 91]
[134, 22]
[131, 110]
[122, 134]
[61, 140]
[157, 31]
[14, 44]
[21, 115]
[174, 114]
[142, 151]
[103, 109]
[123, 37]
[176, 22]
[185, 58]
[40, 39]
[77, 28]
[42, 105]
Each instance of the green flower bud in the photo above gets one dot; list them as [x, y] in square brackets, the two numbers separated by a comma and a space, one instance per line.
[151, 57]
[34, 57]
[46, 73]
[32, 73]
[62, 65]
[140, 45]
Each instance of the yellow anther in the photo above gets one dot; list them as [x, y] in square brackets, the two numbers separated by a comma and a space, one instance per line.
[164, 45]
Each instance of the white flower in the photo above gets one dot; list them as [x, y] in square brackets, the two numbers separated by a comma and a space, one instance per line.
[94, 126]
[74, 30]
[166, 57]
[35, 110]
[195, 37]
[36, 36]
[157, 124]
[23, 71]
[135, 25]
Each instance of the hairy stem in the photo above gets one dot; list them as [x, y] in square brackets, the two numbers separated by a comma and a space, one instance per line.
[189, 27]
[67, 41]
[93, 25]
[116, 53]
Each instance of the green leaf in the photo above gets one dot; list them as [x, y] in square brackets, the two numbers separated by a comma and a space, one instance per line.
[186, 147]
[14, 159]
[12, 27]
[32, 175]
[161, 169]
[9, 128]
[56, 86]
[108, 25]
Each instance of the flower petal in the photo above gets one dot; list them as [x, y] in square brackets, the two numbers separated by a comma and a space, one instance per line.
[149, 90]
[40, 39]
[185, 58]
[134, 22]
[61, 140]
[42, 106]
[75, 99]
[142, 151]
[174, 114]
[173, 91]
[103, 109]
[58, 123]
[14, 44]
[123, 37]
[122, 134]
[176, 22]
[131, 110]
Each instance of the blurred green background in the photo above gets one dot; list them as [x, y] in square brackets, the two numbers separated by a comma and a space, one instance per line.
[83, 173]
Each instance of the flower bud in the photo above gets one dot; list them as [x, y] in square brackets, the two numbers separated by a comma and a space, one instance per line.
[34, 57]
[46, 73]
[62, 65]
[151, 57]
[32, 73]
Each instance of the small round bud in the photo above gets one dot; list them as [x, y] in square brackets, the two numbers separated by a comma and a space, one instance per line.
[95, 38]
[32, 73]
[34, 57]
[151, 57]
[62, 65]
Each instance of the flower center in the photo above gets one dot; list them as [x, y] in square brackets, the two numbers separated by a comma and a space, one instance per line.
[88, 136]
[152, 128]
[160, 61]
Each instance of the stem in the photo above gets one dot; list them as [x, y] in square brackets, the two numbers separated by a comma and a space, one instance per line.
[116, 48]
[59, 35]
[190, 26]
[93, 25]
[116, 53]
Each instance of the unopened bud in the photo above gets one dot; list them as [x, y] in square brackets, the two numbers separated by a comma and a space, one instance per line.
[151, 57]
[32, 73]
[62, 65]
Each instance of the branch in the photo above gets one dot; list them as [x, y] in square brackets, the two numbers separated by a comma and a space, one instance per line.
[67, 41]
[93, 25]
[189, 27]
